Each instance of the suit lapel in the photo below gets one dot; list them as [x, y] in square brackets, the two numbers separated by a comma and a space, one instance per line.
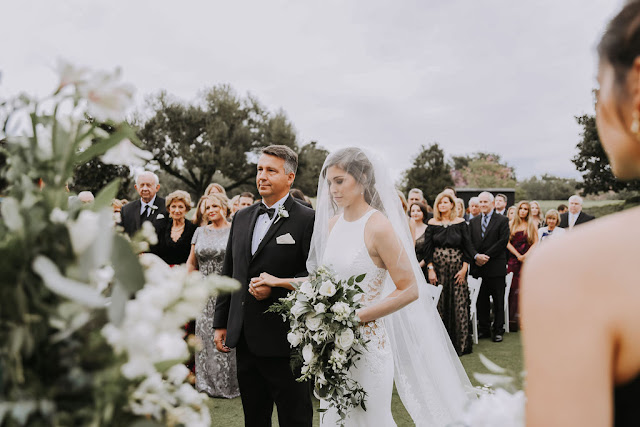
[136, 213]
[253, 218]
[275, 226]
[491, 224]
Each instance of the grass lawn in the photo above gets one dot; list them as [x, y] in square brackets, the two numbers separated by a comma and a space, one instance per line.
[508, 354]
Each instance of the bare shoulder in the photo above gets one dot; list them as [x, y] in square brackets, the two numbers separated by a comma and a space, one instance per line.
[458, 220]
[433, 221]
[379, 224]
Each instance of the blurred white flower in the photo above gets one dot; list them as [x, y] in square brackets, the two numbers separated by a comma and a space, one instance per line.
[177, 374]
[499, 409]
[70, 74]
[188, 395]
[107, 98]
[294, 338]
[137, 367]
[102, 277]
[328, 289]
[58, 216]
[84, 230]
[307, 354]
[126, 153]
[320, 308]
[149, 233]
[313, 322]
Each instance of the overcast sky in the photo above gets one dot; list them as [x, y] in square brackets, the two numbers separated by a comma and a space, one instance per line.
[492, 75]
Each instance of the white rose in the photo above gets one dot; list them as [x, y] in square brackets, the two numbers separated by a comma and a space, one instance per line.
[307, 354]
[345, 339]
[328, 289]
[297, 309]
[294, 338]
[313, 322]
[341, 308]
[307, 289]
[320, 308]
[58, 216]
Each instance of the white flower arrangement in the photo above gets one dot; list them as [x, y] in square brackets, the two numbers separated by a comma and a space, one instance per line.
[282, 213]
[325, 336]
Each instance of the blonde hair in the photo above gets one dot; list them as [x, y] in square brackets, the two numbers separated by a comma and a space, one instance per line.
[181, 196]
[460, 204]
[552, 213]
[118, 203]
[403, 201]
[436, 212]
[221, 200]
[532, 231]
[540, 213]
[217, 186]
[198, 218]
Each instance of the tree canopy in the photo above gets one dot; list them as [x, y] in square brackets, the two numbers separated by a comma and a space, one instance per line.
[429, 172]
[482, 170]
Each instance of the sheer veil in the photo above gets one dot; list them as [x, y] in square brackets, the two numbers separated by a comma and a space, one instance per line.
[430, 379]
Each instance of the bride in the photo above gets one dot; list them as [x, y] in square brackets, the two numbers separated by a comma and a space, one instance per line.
[360, 227]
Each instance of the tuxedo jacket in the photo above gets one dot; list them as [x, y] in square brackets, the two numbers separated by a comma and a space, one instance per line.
[582, 217]
[130, 215]
[239, 312]
[494, 245]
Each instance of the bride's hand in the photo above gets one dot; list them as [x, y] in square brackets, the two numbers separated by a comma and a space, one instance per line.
[265, 279]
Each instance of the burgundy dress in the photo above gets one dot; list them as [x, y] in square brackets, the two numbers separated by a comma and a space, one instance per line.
[520, 242]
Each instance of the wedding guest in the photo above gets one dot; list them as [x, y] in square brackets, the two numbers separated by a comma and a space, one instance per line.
[489, 236]
[116, 205]
[511, 213]
[451, 191]
[501, 204]
[418, 227]
[575, 216]
[537, 216]
[149, 207]
[246, 200]
[522, 238]
[460, 211]
[552, 219]
[447, 255]
[562, 208]
[214, 188]
[586, 371]
[235, 204]
[403, 201]
[299, 197]
[415, 195]
[174, 243]
[215, 371]
[86, 197]
[199, 217]
[474, 207]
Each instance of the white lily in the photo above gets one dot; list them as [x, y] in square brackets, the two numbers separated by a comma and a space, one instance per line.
[126, 153]
[108, 99]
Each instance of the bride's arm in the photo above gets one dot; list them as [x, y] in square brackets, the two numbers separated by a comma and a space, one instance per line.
[266, 279]
[381, 237]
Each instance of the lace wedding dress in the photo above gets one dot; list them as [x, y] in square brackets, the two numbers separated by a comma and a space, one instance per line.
[347, 255]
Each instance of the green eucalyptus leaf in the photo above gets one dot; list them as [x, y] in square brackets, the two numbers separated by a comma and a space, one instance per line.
[128, 270]
[164, 366]
[119, 298]
[106, 195]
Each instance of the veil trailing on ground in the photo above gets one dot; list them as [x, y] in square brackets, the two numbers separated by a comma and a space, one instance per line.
[430, 379]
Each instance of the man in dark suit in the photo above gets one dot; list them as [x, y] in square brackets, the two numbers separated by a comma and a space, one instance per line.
[489, 236]
[417, 196]
[575, 216]
[271, 237]
[149, 207]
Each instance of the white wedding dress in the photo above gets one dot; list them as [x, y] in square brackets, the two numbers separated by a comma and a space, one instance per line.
[347, 255]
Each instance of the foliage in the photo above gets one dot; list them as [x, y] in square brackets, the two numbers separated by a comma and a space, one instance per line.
[547, 187]
[593, 163]
[429, 172]
[94, 176]
[70, 281]
[222, 132]
[310, 160]
[482, 170]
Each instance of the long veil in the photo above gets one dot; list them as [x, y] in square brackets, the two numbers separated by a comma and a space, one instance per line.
[429, 377]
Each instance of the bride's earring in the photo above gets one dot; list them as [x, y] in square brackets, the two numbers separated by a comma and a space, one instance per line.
[635, 124]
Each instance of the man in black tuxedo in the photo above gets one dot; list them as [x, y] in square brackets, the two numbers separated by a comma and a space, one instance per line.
[271, 237]
[489, 236]
[149, 207]
[575, 216]
[501, 204]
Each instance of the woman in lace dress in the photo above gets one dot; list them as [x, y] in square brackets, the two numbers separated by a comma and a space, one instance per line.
[360, 227]
[215, 371]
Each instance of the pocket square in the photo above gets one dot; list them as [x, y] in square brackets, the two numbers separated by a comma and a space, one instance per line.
[160, 216]
[285, 239]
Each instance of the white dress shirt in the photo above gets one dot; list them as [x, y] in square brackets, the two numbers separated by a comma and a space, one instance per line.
[144, 205]
[263, 223]
[572, 219]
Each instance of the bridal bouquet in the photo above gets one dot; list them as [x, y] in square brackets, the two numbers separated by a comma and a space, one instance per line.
[91, 331]
[325, 336]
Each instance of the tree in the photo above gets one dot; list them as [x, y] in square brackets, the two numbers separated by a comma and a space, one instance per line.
[95, 175]
[482, 170]
[222, 133]
[547, 187]
[429, 172]
[592, 161]
[310, 160]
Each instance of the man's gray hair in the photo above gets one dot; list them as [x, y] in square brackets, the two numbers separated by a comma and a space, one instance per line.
[418, 191]
[287, 154]
[147, 173]
[576, 198]
[474, 200]
[486, 193]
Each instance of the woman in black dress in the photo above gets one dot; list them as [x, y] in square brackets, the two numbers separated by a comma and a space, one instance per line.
[418, 227]
[580, 294]
[447, 256]
[174, 240]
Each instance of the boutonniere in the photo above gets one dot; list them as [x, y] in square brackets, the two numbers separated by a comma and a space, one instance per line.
[153, 208]
[282, 213]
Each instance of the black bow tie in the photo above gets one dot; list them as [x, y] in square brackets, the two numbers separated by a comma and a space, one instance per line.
[262, 209]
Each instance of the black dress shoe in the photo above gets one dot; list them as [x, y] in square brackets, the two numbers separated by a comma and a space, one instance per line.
[497, 338]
